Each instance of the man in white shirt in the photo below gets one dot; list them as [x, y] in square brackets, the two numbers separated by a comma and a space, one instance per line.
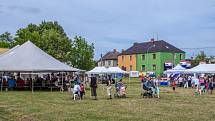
[76, 89]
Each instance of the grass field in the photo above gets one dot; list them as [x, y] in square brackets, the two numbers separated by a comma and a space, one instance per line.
[58, 106]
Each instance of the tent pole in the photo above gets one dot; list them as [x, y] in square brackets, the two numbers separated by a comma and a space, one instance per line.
[32, 84]
[1, 82]
[62, 80]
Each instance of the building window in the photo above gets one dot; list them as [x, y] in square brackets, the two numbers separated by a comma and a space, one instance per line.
[143, 57]
[103, 63]
[122, 58]
[154, 67]
[130, 67]
[130, 58]
[154, 56]
[124, 68]
[143, 67]
[181, 56]
[109, 63]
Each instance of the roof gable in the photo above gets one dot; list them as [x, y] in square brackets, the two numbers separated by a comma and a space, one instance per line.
[29, 58]
[160, 46]
[112, 55]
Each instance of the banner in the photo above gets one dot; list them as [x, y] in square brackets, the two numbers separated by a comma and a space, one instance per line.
[134, 74]
[168, 65]
[185, 64]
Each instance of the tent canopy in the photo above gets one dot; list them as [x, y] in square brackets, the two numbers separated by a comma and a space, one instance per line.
[30, 58]
[116, 70]
[177, 69]
[202, 68]
[98, 70]
[104, 70]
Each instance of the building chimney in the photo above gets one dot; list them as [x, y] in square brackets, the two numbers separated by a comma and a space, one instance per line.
[152, 40]
[114, 50]
[123, 50]
[135, 43]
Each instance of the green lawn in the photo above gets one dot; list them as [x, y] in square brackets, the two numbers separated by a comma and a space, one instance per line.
[58, 106]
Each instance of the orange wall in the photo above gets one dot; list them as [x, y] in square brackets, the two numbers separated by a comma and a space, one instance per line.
[127, 62]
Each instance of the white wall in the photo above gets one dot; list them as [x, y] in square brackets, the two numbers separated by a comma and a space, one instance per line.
[108, 63]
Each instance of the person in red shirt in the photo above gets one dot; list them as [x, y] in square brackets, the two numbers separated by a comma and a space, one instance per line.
[173, 84]
[82, 91]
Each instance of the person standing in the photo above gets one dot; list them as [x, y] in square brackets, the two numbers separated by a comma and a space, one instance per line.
[82, 91]
[173, 84]
[211, 86]
[93, 85]
[157, 84]
[109, 89]
[186, 82]
[76, 91]
[181, 80]
[202, 85]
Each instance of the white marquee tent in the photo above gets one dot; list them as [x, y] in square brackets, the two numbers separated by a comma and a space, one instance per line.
[202, 68]
[30, 58]
[177, 69]
[116, 70]
[98, 70]
[104, 70]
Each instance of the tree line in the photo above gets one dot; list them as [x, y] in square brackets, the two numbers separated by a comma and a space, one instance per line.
[51, 37]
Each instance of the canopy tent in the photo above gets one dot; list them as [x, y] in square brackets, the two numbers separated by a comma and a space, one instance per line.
[116, 70]
[104, 70]
[202, 68]
[30, 58]
[98, 70]
[177, 69]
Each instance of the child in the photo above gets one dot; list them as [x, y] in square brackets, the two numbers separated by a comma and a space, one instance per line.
[173, 85]
[207, 86]
[202, 85]
[82, 91]
[157, 87]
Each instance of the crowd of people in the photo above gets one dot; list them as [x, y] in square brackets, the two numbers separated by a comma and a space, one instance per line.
[78, 87]
[202, 83]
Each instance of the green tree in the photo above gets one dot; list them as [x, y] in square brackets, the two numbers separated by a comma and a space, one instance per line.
[5, 40]
[4, 44]
[201, 57]
[6, 37]
[49, 36]
[81, 55]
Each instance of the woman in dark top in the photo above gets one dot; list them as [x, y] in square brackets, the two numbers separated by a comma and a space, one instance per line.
[211, 86]
[93, 85]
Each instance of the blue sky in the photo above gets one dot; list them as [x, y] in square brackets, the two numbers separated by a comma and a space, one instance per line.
[119, 23]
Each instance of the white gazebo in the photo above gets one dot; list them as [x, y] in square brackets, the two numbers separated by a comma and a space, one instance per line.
[116, 70]
[176, 69]
[98, 70]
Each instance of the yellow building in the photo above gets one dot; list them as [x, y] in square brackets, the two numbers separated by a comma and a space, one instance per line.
[127, 62]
